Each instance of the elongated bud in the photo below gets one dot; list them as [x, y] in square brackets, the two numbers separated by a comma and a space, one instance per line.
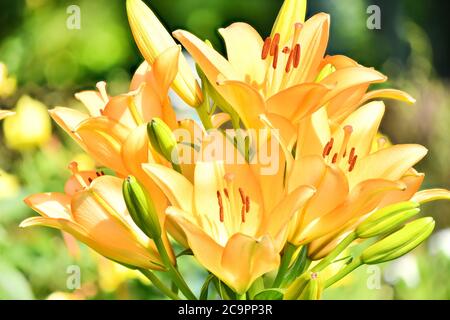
[152, 40]
[307, 287]
[387, 219]
[325, 72]
[141, 207]
[400, 242]
[162, 139]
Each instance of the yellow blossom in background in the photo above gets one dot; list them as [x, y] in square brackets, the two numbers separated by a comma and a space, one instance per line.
[30, 127]
[113, 275]
[8, 83]
[9, 185]
[85, 162]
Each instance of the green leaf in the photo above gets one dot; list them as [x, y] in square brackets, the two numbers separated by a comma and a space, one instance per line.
[270, 294]
[205, 287]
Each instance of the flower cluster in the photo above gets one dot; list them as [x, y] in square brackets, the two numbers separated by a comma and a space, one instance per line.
[261, 234]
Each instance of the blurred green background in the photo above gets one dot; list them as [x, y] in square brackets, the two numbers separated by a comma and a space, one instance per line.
[49, 63]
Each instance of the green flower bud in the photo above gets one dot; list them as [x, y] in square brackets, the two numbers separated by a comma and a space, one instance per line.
[162, 139]
[325, 72]
[307, 287]
[400, 242]
[141, 207]
[387, 219]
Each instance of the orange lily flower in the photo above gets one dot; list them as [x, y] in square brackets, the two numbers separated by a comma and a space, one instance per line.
[282, 75]
[224, 219]
[92, 209]
[351, 178]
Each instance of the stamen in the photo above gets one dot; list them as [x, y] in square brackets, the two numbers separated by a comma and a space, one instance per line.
[226, 193]
[334, 158]
[73, 166]
[298, 27]
[274, 45]
[286, 50]
[90, 180]
[347, 133]
[352, 154]
[275, 58]
[229, 176]
[266, 48]
[247, 204]
[243, 214]
[219, 200]
[327, 148]
[289, 62]
[381, 142]
[241, 192]
[102, 172]
[98, 174]
[296, 55]
[352, 163]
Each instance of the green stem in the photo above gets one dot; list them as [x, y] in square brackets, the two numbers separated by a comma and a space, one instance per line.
[158, 284]
[241, 296]
[335, 253]
[284, 265]
[173, 272]
[300, 265]
[203, 113]
[343, 272]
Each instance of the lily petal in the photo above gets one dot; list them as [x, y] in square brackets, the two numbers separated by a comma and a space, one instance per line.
[103, 139]
[244, 45]
[69, 119]
[298, 101]
[5, 113]
[292, 12]
[365, 123]
[153, 39]
[428, 195]
[388, 94]
[245, 259]
[389, 163]
[175, 186]
[50, 205]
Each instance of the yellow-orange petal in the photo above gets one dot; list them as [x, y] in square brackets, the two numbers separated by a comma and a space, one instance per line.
[389, 163]
[175, 186]
[292, 12]
[69, 119]
[244, 45]
[313, 41]
[103, 139]
[152, 39]
[364, 123]
[50, 205]
[388, 94]
[245, 259]
[92, 100]
[298, 101]
[431, 195]
[247, 102]
[5, 113]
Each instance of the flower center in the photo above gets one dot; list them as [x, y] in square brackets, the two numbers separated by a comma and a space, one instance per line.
[271, 50]
[341, 154]
[245, 203]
